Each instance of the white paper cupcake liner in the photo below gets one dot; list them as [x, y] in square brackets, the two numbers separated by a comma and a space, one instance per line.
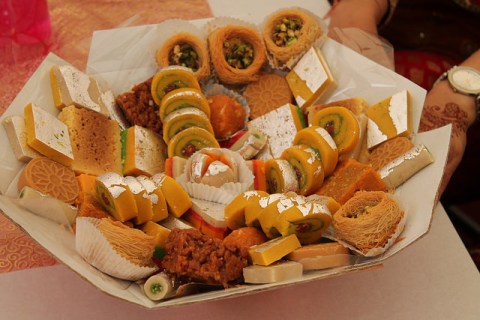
[227, 192]
[97, 251]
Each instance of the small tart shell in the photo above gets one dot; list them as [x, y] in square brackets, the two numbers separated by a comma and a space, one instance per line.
[198, 44]
[226, 73]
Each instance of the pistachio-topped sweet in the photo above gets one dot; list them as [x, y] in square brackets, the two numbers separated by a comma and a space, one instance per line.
[238, 53]
[286, 32]
[183, 54]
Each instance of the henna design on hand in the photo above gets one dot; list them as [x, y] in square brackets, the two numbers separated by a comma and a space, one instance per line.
[434, 116]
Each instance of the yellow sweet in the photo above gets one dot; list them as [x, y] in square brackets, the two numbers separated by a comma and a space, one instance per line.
[389, 118]
[172, 78]
[159, 232]
[308, 221]
[155, 194]
[183, 98]
[256, 205]
[280, 176]
[341, 124]
[319, 140]
[178, 200]
[182, 119]
[145, 152]
[268, 252]
[235, 211]
[310, 78]
[188, 141]
[143, 202]
[115, 196]
[307, 166]
[47, 135]
[268, 216]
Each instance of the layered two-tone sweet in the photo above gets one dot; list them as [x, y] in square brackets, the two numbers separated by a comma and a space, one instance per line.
[182, 119]
[268, 252]
[188, 141]
[142, 200]
[17, 136]
[275, 272]
[157, 198]
[178, 200]
[208, 217]
[48, 135]
[279, 127]
[389, 118]
[145, 152]
[310, 78]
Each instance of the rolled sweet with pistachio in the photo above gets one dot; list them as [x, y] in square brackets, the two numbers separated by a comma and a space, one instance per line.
[171, 78]
[187, 50]
[182, 119]
[281, 176]
[183, 98]
[288, 33]
[188, 141]
[237, 53]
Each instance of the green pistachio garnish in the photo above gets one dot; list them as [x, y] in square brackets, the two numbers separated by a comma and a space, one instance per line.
[238, 54]
[286, 33]
[184, 55]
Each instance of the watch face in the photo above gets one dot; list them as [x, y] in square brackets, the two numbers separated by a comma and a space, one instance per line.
[465, 80]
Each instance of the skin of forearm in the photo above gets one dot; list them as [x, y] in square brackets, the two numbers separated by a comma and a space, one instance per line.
[444, 106]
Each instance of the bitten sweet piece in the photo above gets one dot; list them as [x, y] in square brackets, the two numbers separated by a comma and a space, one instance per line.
[17, 135]
[178, 200]
[171, 78]
[308, 168]
[116, 197]
[268, 252]
[276, 272]
[311, 78]
[322, 143]
[70, 86]
[341, 124]
[145, 152]
[281, 176]
[405, 166]
[183, 98]
[349, 177]
[95, 141]
[50, 178]
[142, 200]
[280, 127]
[188, 141]
[234, 212]
[48, 135]
[47, 206]
[389, 118]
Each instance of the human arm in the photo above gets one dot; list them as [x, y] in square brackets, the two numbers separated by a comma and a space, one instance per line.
[443, 106]
[363, 14]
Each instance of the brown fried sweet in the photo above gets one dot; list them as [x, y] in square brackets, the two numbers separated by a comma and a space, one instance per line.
[192, 256]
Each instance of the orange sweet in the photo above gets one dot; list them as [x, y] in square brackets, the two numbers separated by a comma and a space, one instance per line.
[50, 178]
[389, 151]
[349, 177]
[227, 116]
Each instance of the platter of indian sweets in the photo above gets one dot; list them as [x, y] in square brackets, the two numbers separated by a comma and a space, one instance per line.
[198, 160]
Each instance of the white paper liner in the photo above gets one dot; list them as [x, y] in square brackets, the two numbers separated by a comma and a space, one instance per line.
[97, 251]
[330, 234]
[273, 63]
[227, 192]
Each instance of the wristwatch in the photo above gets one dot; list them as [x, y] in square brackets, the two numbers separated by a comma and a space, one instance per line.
[464, 80]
